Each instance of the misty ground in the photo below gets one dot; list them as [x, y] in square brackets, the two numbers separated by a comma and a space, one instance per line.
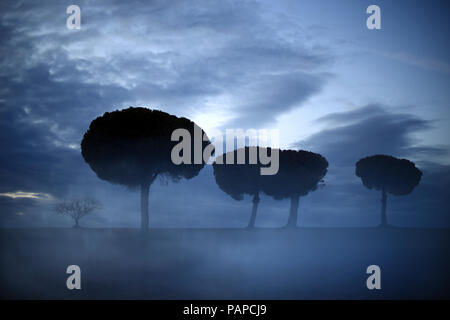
[225, 263]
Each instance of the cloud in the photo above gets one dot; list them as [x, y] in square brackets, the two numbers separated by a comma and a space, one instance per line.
[176, 56]
[272, 95]
[26, 195]
[369, 130]
[423, 63]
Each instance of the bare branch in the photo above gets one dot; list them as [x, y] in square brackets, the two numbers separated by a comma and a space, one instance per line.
[77, 208]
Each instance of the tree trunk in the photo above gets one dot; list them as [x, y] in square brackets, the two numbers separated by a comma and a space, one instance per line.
[251, 223]
[383, 209]
[76, 224]
[145, 190]
[293, 214]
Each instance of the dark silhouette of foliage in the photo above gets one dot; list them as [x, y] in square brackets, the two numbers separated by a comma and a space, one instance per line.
[77, 208]
[133, 146]
[300, 172]
[388, 175]
[239, 179]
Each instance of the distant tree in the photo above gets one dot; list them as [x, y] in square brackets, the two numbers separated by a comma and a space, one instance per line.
[133, 146]
[388, 175]
[300, 172]
[77, 208]
[239, 179]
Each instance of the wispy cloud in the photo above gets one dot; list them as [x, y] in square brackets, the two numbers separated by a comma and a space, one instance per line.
[26, 195]
[369, 130]
[420, 62]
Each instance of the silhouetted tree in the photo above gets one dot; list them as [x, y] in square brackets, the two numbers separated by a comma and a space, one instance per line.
[77, 208]
[133, 146]
[300, 172]
[239, 179]
[389, 175]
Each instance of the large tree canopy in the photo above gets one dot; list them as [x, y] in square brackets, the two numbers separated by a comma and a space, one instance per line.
[300, 172]
[239, 179]
[133, 146]
[388, 175]
[395, 176]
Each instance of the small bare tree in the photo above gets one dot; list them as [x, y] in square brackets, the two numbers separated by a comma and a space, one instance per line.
[77, 208]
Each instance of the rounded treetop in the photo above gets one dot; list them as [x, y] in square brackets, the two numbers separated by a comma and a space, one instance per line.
[238, 179]
[382, 172]
[300, 172]
[132, 146]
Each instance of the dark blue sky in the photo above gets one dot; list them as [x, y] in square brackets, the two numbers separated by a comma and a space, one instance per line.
[308, 68]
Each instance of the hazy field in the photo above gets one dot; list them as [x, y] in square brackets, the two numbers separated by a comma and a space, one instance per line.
[225, 263]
